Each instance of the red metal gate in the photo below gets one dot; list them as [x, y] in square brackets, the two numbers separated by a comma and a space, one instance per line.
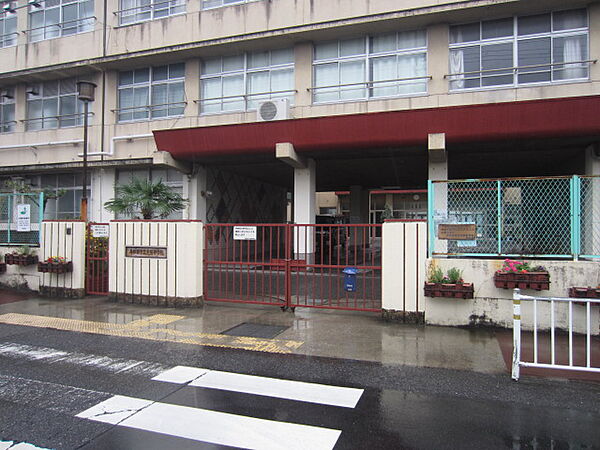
[96, 274]
[293, 265]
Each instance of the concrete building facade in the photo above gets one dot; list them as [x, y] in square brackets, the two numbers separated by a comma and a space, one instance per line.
[369, 95]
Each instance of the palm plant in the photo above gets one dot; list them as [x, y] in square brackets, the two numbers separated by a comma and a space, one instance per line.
[151, 200]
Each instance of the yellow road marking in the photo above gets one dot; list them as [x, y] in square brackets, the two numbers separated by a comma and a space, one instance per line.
[136, 329]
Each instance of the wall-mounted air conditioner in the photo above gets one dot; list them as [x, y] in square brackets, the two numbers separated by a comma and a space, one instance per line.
[278, 109]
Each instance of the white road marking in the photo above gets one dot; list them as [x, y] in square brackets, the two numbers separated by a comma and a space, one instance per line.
[211, 426]
[270, 387]
[20, 446]
[104, 363]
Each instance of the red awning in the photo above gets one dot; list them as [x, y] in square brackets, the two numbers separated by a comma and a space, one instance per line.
[489, 122]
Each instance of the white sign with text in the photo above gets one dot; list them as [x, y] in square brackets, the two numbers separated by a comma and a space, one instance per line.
[244, 233]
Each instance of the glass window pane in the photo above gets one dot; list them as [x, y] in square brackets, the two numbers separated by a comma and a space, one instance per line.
[231, 63]
[326, 75]
[51, 21]
[282, 80]
[385, 43]
[211, 66]
[258, 82]
[159, 100]
[140, 99]
[352, 47]
[497, 28]
[258, 59]
[141, 75]
[497, 56]
[326, 50]
[70, 13]
[283, 56]
[160, 73]
[411, 66]
[352, 72]
[570, 49]
[177, 70]
[66, 203]
[534, 24]
[534, 52]
[125, 77]
[463, 60]
[384, 68]
[211, 88]
[568, 20]
[465, 33]
[412, 39]
[233, 85]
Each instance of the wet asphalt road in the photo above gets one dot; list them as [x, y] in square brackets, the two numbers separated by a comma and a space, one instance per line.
[47, 377]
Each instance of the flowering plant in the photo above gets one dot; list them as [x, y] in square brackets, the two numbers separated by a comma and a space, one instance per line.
[56, 259]
[513, 266]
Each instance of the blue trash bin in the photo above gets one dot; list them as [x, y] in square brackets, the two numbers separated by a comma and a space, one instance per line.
[350, 279]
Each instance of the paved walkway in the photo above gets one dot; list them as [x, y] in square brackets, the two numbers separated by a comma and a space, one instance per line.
[357, 336]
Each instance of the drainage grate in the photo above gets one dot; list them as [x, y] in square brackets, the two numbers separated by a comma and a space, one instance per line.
[257, 330]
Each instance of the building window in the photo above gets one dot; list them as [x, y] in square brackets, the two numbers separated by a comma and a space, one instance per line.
[152, 93]
[207, 4]
[170, 177]
[7, 111]
[53, 104]
[55, 18]
[134, 11]
[520, 50]
[239, 83]
[370, 67]
[65, 186]
[8, 27]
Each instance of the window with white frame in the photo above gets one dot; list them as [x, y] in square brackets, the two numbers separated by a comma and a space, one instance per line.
[134, 11]
[67, 190]
[152, 93]
[543, 48]
[170, 177]
[369, 67]
[8, 26]
[55, 18]
[239, 83]
[7, 110]
[207, 4]
[53, 104]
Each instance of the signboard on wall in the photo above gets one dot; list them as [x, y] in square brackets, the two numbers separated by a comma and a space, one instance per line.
[457, 231]
[244, 233]
[23, 217]
[99, 231]
[146, 252]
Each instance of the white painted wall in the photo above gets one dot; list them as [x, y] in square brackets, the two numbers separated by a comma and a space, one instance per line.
[177, 276]
[493, 306]
[64, 239]
[20, 276]
[404, 254]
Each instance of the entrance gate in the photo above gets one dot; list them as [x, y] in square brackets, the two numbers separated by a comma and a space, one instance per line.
[96, 259]
[291, 265]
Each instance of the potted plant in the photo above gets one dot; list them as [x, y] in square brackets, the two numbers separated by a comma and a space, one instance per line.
[450, 285]
[2, 265]
[520, 274]
[585, 292]
[21, 257]
[55, 264]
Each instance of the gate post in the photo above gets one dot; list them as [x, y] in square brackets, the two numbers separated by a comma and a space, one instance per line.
[404, 258]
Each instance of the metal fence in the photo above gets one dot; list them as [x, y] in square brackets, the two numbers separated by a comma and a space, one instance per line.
[536, 217]
[21, 216]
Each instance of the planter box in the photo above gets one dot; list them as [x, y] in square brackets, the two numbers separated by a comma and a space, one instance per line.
[20, 260]
[459, 290]
[584, 292]
[539, 281]
[2, 267]
[50, 267]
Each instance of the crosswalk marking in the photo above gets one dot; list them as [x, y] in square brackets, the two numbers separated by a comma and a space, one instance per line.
[210, 426]
[5, 445]
[271, 387]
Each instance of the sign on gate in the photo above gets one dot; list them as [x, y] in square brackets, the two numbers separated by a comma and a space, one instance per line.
[244, 233]
[99, 231]
[23, 217]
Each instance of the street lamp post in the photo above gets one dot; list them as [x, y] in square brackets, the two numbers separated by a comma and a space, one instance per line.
[85, 93]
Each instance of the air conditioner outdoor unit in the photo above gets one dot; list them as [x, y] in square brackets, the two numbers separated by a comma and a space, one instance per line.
[269, 110]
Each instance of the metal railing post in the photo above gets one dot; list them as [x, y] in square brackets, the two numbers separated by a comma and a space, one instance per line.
[516, 357]
[40, 216]
[499, 214]
[10, 196]
[576, 214]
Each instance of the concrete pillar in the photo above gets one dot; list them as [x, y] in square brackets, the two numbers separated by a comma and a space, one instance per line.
[438, 170]
[198, 194]
[359, 213]
[305, 209]
[303, 73]
[192, 86]
[594, 15]
[437, 55]
[102, 190]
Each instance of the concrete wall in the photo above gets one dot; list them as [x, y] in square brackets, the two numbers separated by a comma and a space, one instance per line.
[172, 281]
[404, 252]
[493, 306]
[65, 239]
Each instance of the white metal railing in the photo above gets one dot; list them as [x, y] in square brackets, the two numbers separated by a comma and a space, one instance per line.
[517, 362]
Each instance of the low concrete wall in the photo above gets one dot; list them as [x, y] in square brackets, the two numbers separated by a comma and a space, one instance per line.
[493, 306]
[404, 253]
[20, 277]
[65, 239]
[172, 279]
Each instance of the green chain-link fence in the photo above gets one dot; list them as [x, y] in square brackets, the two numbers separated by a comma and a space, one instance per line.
[21, 216]
[546, 217]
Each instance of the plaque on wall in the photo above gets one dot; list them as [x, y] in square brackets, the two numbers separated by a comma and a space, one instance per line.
[457, 231]
[146, 252]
